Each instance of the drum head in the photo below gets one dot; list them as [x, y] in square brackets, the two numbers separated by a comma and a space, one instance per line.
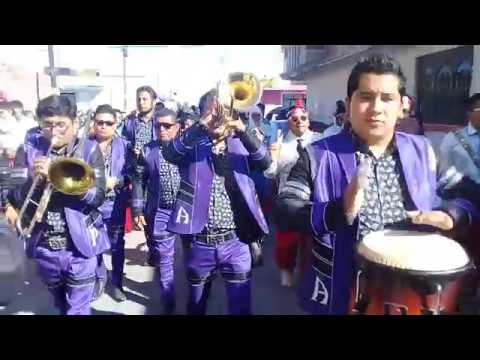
[414, 252]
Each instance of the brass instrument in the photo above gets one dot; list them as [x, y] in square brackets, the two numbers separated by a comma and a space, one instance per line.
[66, 174]
[240, 93]
[71, 176]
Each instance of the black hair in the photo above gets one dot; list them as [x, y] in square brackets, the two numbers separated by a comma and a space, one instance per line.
[243, 116]
[186, 116]
[471, 101]
[165, 112]
[56, 105]
[203, 100]
[159, 105]
[104, 109]
[16, 104]
[262, 107]
[117, 111]
[379, 64]
[341, 108]
[147, 89]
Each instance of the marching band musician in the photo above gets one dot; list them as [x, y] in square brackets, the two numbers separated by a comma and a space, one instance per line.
[118, 160]
[217, 210]
[66, 242]
[139, 131]
[366, 178]
[161, 181]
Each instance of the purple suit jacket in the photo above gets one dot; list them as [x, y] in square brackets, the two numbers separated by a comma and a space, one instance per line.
[190, 214]
[325, 286]
[156, 217]
[128, 130]
[88, 231]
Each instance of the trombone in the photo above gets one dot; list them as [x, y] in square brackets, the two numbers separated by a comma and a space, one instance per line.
[240, 93]
[66, 174]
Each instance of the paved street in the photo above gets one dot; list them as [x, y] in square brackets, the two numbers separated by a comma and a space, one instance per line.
[143, 293]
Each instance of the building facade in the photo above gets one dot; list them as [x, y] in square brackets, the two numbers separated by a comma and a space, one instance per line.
[439, 77]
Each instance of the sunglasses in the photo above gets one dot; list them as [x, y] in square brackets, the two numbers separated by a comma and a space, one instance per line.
[164, 125]
[106, 123]
[298, 118]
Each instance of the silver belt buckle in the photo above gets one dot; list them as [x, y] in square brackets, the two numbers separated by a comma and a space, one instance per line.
[57, 244]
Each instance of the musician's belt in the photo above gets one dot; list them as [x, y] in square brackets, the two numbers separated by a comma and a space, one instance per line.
[213, 239]
[54, 243]
[163, 237]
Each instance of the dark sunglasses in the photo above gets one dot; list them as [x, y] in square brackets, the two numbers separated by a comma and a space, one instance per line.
[165, 126]
[107, 123]
[298, 118]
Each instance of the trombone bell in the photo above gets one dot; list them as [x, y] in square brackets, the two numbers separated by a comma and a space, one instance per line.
[71, 176]
[245, 90]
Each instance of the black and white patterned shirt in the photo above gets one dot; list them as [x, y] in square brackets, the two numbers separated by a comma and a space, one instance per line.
[55, 215]
[220, 212]
[384, 202]
[169, 184]
[107, 158]
[143, 132]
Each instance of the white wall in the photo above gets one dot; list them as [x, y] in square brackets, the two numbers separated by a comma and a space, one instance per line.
[475, 88]
[324, 89]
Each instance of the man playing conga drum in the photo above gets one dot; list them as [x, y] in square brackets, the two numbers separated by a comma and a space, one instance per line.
[366, 178]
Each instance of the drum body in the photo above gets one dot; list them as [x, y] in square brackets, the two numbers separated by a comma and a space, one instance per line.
[389, 282]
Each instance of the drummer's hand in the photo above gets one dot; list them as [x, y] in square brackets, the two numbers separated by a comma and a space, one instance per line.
[139, 222]
[354, 194]
[41, 165]
[434, 218]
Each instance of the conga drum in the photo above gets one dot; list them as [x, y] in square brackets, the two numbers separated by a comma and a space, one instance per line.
[408, 273]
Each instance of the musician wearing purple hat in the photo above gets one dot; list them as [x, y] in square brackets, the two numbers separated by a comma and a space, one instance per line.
[365, 179]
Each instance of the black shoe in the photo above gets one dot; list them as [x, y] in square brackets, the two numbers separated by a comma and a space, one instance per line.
[168, 309]
[118, 294]
[99, 289]
[150, 260]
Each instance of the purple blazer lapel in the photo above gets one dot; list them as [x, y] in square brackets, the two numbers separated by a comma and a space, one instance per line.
[346, 154]
[409, 160]
[238, 158]
[118, 156]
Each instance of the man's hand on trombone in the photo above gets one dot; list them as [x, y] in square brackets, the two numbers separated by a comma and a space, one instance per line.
[40, 166]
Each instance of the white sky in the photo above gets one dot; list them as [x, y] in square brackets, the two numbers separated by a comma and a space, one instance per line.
[189, 70]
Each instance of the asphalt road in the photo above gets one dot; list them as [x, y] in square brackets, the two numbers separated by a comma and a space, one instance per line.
[143, 293]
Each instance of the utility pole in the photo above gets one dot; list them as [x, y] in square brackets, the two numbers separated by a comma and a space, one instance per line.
[51, 63]
[125, 54]
[37, 86]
